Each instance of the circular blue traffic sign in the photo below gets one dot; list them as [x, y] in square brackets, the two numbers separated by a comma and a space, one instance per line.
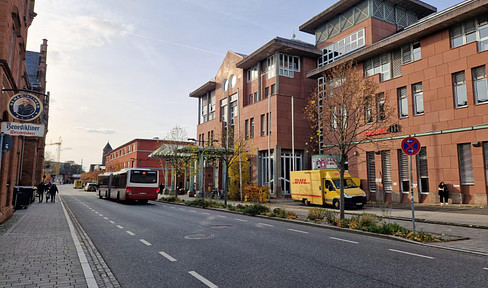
[411, 146]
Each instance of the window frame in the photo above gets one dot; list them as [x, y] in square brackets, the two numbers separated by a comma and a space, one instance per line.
[418, 95]
[456, 84]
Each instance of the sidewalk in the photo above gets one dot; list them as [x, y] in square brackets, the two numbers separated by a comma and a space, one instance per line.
[37, 250]
[464, 221]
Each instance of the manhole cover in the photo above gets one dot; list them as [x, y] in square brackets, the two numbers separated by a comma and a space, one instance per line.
[198, 236]
[221, 226]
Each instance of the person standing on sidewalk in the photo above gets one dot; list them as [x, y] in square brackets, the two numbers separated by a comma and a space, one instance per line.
[52, 191]
[444, 193]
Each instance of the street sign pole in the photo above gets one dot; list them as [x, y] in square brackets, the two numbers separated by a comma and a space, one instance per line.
[411, 146]
[411, 195]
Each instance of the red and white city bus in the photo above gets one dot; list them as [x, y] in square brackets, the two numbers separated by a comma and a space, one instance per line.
[129, 184]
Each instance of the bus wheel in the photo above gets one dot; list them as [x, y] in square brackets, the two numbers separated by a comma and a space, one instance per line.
[99, 194]
[336, 204]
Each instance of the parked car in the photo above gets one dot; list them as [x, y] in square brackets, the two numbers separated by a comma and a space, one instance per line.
[90, 187]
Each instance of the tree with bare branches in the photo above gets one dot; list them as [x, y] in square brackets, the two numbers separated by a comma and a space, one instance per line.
[341, 111]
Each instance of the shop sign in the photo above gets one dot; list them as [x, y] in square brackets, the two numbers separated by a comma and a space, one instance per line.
[327, 161]
[25, 106]
[23, 129]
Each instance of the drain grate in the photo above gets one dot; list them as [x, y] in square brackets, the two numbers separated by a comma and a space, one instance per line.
[198, 236]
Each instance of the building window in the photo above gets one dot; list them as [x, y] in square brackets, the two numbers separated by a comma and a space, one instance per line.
[378, 65]
[225, 85]
[479, 85]
[380, 107]
[411, 52]
[273, 89]
[368, 110]
[371, 170]
[256, 99]
[270, 67]
[423, 171]
[263, 125]
[403, 171]
[251, 128]
[246, 128]
[418, 98]
[289, 65]
[252, 73]
[232, 81]
[402, 102]
[266, 92]
[470, 31]
[344, 46]
[333, 118]
[268, 116]
[251, 99]
[465, 164]
[459, 83]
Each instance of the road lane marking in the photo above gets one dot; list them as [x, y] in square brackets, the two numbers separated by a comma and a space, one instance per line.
[105, 218]
[193, 211]
[344, 240]
[205, 213]
[145, 242]
[112, 222]
[167, 256]
[202, 279]
[486, 268]
[100, 215]
[130, 233]
[221, 216]
[120, 227]
[263, 224]
[298, 231]
[242, 220]
[413, 254]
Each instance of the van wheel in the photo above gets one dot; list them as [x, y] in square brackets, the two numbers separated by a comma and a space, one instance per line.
[306, 202]
[336, 204]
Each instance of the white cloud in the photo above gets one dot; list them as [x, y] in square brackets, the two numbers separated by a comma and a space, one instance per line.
[106, 131]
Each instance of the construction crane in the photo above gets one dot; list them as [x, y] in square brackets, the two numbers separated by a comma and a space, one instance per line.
[58, 153]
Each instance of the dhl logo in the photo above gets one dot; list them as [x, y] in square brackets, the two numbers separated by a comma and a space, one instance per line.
[301, 181]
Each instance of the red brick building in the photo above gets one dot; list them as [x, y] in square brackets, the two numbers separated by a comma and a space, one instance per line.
[135, 154]
[263, 89]
[22, 165]
[431, 68]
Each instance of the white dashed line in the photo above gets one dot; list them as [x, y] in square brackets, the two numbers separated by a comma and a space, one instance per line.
[205, 213]
[120, 227]
[105, 218]
[130, 233]
[202, 279]
[145, 242]
[221, 216]
[112, 222]
[167, 256]
[413, 254]
[263, 224]
[242, 220]
[298, 231]
[486, 268]
[193, 211]
[344, 240]
[100, 215]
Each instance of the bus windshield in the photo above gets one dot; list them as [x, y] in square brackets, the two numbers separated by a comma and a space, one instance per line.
[138, 176]
[348, 183]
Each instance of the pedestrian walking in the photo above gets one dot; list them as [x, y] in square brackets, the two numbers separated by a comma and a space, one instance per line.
[443, 193]
[52, 191]
[40, 191]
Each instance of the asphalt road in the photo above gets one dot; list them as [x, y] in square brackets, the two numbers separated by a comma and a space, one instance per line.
[164, 245]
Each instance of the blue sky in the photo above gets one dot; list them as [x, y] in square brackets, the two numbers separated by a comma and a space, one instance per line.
[119, 69]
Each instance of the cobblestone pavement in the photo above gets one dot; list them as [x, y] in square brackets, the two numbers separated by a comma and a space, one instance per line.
[37, 249]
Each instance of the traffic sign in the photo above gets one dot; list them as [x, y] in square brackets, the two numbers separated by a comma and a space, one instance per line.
[411, 146]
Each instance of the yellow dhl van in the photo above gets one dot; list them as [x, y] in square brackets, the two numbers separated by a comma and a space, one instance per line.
[78, 184]
[322, 187]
